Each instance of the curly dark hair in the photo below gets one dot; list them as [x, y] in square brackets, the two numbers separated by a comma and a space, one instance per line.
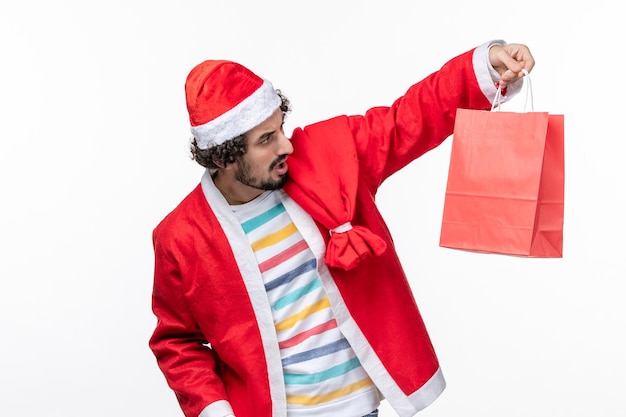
[231, 150]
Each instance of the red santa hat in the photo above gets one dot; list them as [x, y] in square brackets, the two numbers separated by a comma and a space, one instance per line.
[225, 100]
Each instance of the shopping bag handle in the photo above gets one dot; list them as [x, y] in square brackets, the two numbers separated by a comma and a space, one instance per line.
[529, 94]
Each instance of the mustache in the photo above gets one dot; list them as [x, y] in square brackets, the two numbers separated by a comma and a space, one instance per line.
[277, 161]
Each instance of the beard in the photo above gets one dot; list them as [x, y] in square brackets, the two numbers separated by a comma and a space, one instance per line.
[245, 177]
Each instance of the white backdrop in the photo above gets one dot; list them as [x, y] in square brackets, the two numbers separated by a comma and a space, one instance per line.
[93, 153]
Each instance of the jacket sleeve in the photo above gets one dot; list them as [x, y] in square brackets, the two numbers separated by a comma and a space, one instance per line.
[389, 138]
[182, 353]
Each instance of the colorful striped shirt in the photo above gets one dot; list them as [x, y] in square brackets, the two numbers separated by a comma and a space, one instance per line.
[322, 375]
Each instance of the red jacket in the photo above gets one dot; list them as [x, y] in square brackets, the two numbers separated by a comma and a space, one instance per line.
[214, 339]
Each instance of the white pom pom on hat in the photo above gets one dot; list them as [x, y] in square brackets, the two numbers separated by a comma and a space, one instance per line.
[225, 100]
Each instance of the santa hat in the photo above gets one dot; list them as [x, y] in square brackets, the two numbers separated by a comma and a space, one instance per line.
[225, 100]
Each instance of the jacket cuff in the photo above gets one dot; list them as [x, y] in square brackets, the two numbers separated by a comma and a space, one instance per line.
[220, 408]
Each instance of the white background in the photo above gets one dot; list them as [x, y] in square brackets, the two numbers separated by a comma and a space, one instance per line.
[93, 153]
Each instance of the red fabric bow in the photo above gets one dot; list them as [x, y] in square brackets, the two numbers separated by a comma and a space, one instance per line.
[323, 171]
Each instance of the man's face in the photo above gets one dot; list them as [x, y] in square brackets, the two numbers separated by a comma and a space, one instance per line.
[264, 165]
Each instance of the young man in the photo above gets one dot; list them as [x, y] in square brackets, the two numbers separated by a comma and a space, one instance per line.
[277, 288]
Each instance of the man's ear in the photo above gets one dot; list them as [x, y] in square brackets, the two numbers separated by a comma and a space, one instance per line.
[218, 162]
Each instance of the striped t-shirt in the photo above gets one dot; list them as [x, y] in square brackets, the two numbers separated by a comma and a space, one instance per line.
[322, 375]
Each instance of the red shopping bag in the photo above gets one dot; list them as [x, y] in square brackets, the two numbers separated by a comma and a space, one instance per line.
[505, 184]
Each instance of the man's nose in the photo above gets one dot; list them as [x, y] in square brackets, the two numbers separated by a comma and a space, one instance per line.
[285, 145]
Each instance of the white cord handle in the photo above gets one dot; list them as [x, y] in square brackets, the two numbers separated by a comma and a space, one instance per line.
[529, 93]
[342, 228]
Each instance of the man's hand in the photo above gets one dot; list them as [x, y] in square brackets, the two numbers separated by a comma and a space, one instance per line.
[510, 61]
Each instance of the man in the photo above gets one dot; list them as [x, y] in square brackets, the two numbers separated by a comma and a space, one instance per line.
[277, 288]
